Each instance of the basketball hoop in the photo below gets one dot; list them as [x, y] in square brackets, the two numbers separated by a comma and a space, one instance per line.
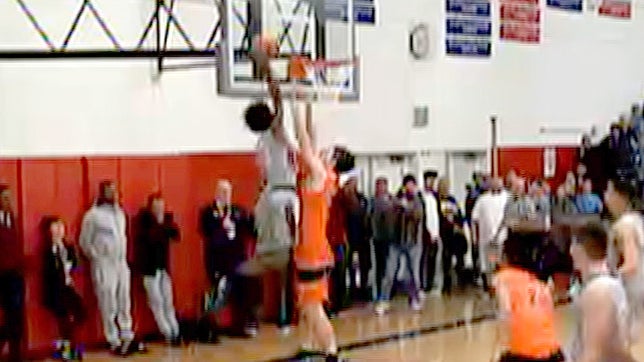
[329, 79]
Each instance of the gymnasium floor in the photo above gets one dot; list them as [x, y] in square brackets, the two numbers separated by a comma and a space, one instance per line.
[450, 329]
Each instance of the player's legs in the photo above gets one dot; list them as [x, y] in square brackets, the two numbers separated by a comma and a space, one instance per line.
[312, 290]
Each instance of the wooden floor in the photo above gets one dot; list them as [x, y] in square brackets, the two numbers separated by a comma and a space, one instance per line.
[449, 329]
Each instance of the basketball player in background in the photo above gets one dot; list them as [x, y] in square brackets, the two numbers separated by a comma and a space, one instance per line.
[313, 255]
[277, 209]
[602, 328]
[626, 247]
[526, 308]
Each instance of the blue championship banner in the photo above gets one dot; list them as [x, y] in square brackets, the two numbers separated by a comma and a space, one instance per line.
[469, 46]
[468, 28]
[570, 5]
[364, 11]
[469, 7]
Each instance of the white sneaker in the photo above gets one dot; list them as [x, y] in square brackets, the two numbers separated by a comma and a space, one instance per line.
[251, 331]
[422, 295]
[416, 305]
[285, 330]
[382, 308]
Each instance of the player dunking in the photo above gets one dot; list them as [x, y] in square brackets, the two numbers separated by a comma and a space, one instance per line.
[277, 209]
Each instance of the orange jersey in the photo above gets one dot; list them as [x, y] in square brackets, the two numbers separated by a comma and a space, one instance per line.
[532, 315]
[313, 251]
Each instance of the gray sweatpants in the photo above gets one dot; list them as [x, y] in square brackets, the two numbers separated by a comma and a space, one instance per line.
[272, 211]
[158, 287]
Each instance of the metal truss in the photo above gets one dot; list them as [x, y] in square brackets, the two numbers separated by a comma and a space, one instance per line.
[156, 31]
[153, 41]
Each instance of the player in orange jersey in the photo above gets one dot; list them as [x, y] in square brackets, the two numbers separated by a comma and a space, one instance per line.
[313, 255]
[527, 325]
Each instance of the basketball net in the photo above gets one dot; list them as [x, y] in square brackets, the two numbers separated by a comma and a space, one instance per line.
[320, 80]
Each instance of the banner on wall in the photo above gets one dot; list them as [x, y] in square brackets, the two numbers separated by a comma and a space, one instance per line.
[616, 8]
[520, 21]
[468, 7]
[473, 27]
[468, 28]
[570, 5]
[520, 32]
[469, 47]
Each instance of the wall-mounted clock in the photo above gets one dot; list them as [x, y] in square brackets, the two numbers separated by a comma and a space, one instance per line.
[419, 41]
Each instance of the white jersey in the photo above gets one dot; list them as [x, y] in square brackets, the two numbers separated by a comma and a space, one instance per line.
[488, 213]
[621, 328]
[634, 284]
[278, 161]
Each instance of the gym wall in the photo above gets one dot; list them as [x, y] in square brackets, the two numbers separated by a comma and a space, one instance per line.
[585, 72]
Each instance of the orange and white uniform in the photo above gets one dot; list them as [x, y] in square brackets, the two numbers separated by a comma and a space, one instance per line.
[312, 254]
[531, 314]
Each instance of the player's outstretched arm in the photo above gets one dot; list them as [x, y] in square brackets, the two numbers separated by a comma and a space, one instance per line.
[311, 160]
[262, 61]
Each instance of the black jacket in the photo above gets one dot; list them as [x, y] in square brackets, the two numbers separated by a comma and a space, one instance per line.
[54, 281]
[222, 254]
[153, 241]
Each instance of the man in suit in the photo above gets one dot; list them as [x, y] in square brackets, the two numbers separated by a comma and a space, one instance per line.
[12, 284]
[225, 227]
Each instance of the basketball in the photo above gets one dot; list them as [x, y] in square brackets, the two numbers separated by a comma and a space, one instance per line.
[266, 44]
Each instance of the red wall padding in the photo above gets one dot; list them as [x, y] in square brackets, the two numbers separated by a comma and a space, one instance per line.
[67, 187]
[528, 162]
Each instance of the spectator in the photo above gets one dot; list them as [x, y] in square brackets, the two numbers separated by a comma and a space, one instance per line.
[408, 244]
[571, 182]
[581, 174]
[588, 202]
[637, 120]
[103, 239]
[563, 204]
[594, 158]
[487, 223]
[337, 236]
[154, 232]
[585, 147]
[541, 200]
[356, 206]
[12, 284]
[471, 194]
[451, 229]
[617, 148]
[60, 295]
[510, 179]
[520, 208]
[432, 242]
[225, 228]
[383, 223]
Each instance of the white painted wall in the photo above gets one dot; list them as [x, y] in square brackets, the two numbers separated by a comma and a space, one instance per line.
[586, 71]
